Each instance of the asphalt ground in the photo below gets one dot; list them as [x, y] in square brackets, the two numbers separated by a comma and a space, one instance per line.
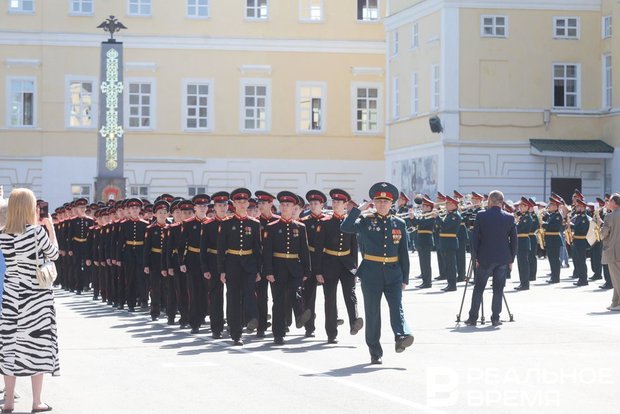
[560, 355]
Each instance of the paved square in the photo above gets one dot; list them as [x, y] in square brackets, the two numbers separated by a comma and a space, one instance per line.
[559, 356]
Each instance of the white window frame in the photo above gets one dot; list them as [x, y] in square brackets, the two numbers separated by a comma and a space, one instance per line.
[81, 12]
[140, 3]
[256, 8]
[494, 25]
[20, 8]
[94, 108]
[371, 21]
[152, 104]
[415, 36]
[81, 194]
[395, 98]
[196, 7]
[606, 27]
[566, 36]
[415, 94]
[198, 189]
[139, 188]
[367, 85]
[435, 87]
[577, 86]
[607, 97]
[255, 82]
[210, 107]
[308, 4]
[8, 100]
[311, 84]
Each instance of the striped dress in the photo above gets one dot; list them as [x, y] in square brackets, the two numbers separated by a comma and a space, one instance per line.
[28, 343]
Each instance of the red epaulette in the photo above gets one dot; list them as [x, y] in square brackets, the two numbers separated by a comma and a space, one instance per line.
[253, 219]
[144, 221]
[176, 224]
[89, 217]
[189, 219]
[273, 222]
[300, 223]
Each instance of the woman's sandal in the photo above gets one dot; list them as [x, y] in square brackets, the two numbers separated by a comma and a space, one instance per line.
[41, 410]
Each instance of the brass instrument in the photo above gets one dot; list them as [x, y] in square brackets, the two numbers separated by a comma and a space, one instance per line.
[540, 233]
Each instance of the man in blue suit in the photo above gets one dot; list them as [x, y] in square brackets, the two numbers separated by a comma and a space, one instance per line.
[494, 247]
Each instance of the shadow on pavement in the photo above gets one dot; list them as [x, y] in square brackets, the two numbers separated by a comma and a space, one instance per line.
[354, 370]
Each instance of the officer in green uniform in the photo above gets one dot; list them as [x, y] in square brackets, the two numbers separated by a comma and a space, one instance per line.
[532, 258]
[463, 236]
[580, 225]
[385, 266]
[524, 226]
[553, 227]
[441, 199]
[449, 242]
[425, 242]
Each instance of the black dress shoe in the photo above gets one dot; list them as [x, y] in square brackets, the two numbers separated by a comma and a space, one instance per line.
[596, 277]
[216, 335]
[449, 288]
[339, 322]
[496, 323]
[260, 334]
[460, 279]
[170, 321]
[195, 330]
[131, 309]
[375, 360]
[332, 340]
[252, 325]
[521, 287]
[469, 322]
[550, 281]
[402, 342]
[441, 278]
[303, 318]
[237, 342]
[356, 326]
[154, 318]
[581, 283]
[424, 286]
[606, 286]
[278, 340]
[309, 334]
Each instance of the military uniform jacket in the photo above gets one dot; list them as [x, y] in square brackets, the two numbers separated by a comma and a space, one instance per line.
[448, 231]
[208, 245]
[534, 226]
[190, 238]
[78, 233]
[553, 226]
[130, 238]
[524, 226]
[94, 238]
[286, 237]
[154, 245]
[581, 225]
[172, 243]
[113, 246]
[59, 228]
[312, 223]
[239, 239]
[331, 241]
[380, 238]
[463, 232]
[104, 243]
[425, 226]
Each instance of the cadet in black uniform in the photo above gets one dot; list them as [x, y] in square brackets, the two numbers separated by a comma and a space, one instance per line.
[179, 279]
[238, 263]
[77, 237]
[425, 242]
[190, 262]
[580, 226]
[449, 242]
[265, 204]
[524, 227]
[154, 263]
[286, 262]
[317, 200]
[208, 258]
[335, 260]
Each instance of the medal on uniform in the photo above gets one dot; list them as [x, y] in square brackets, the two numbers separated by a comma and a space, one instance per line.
[248, 231]
[295, 233]
[396, 236]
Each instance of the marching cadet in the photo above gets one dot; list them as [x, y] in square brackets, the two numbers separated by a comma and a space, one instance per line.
[115, 259]
[178, 279]
[208, 257]
[154, 263]
[335, 260]
[238, 264]
[130, 250]
[553, 227]
[79, 228]
[106, 290]
[286, 262]
[265, 207]
[524, 226]
[532, 257]
[385, 266]
[425, 242]
[317, 200]
[463, 236]
[189, 254]
[92, 260]
[441, 199]
[580, 226]
[62, 248]
[449, 242]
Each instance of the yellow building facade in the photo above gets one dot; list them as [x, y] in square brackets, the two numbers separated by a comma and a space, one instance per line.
[266, 94]
[523, 90]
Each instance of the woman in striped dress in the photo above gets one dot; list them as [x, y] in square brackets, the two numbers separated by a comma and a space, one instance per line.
[31, 350]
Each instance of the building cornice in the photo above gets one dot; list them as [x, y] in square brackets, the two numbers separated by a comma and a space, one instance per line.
[428, 7]
[197, 43]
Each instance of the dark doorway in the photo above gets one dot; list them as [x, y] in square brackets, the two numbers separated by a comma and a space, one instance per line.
[565, 187]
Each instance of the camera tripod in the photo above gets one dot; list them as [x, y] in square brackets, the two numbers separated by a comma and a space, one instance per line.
[470, 271]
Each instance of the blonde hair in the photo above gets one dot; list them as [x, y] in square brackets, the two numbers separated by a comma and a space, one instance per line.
[3, 209]
[21, 212]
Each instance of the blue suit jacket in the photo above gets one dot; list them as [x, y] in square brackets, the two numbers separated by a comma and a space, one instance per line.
[494, 239]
